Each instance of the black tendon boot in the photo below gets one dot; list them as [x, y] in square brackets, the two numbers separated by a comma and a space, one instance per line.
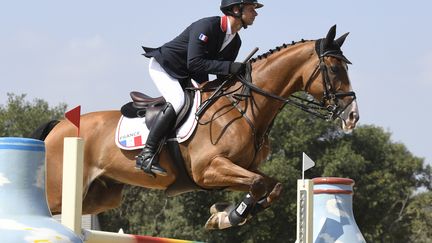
[148, 160]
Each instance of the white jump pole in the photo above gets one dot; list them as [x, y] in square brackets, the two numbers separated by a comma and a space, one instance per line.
[73, 157]
[305, 211]
[305, 204]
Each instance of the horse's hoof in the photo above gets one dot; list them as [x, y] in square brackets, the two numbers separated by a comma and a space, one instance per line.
[212, 223]
[218, 221]
[220, 207]
[275, 193]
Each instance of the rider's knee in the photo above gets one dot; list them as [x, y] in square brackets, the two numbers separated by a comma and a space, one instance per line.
[177, 103]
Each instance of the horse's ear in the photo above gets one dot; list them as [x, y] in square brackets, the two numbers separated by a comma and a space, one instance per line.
[331, 34]
[341, 39]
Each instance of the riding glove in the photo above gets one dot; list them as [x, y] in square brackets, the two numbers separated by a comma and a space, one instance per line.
[237, 68]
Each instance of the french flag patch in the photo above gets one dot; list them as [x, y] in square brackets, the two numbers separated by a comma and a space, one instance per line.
[203, 38]
[132, 141]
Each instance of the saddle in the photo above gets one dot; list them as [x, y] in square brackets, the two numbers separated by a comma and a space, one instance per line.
[143, 105]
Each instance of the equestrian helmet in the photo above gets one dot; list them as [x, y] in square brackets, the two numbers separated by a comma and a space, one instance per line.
[227, 4]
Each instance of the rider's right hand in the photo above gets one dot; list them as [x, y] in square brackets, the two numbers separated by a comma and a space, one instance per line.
[237, 68]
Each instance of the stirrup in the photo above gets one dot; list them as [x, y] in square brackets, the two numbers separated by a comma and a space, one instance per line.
[149, 166]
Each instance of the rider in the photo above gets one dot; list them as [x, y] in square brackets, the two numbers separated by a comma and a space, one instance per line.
[208, 46]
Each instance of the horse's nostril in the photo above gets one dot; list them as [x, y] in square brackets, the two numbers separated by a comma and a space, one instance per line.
[353, 116]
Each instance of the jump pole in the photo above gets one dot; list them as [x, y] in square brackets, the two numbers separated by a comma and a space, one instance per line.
[94, 236]
[305, 204]
[305, 211]
[73, 157]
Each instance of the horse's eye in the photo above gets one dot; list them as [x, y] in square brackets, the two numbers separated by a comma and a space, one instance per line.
[334, 69]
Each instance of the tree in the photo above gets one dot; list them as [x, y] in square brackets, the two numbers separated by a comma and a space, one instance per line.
[419, 218]
[19, 118]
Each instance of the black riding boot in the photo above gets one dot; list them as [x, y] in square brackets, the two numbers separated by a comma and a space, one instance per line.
[147, 160]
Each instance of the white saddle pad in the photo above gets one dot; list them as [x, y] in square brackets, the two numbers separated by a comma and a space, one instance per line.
[131, 133]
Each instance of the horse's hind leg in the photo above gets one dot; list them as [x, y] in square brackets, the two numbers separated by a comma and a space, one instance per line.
[224, 173]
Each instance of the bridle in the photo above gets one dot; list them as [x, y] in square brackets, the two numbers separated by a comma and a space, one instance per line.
[329, 107]
[330, 97]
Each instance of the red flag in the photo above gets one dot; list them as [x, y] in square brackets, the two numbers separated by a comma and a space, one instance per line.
[74, 116]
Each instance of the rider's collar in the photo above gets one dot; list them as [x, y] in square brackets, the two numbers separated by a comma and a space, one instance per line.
[226, 25]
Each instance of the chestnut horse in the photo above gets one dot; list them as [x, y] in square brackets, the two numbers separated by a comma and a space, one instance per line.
[241, 127]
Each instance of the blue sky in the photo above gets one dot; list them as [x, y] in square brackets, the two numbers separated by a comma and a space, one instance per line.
[88, 52]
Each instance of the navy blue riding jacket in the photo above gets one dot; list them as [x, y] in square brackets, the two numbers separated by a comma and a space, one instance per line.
[195, 52]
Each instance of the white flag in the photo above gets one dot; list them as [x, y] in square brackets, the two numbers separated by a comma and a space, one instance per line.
[307, 162]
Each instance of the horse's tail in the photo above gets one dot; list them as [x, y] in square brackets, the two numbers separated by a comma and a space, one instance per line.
[43, 130]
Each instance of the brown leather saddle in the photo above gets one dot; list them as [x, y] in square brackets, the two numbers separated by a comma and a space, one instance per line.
[143, 105]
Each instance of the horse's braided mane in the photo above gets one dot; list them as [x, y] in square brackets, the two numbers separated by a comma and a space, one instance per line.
[278, 48]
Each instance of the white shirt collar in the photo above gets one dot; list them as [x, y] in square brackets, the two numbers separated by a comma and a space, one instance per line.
[228, 32]
[229, 36]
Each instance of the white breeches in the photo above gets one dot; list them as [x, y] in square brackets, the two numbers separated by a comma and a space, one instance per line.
[168, 86]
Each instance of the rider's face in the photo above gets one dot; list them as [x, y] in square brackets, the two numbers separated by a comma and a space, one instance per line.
[249, 14]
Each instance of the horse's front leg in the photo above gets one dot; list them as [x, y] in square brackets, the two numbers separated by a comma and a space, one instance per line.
[275, 189]
[222, 172]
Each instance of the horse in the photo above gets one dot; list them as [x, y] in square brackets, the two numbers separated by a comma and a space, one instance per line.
[230, 141]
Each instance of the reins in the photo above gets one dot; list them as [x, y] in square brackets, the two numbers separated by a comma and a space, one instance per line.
[328, 108]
